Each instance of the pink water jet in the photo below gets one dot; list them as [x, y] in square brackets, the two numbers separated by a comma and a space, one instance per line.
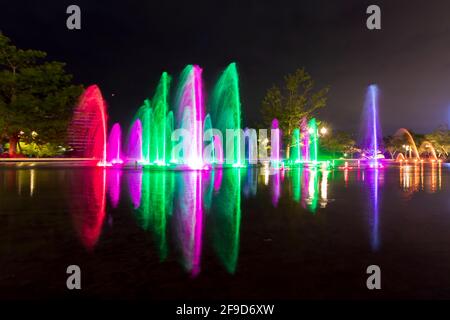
[134, 144]
[114, 148]
[191, 115]
[275, 144]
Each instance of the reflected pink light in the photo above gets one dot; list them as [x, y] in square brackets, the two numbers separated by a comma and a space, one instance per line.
[135, 188]
[134, 145]
[276, 188]
[190, 220]
[218, 175]
[114, 177]
[89, 211]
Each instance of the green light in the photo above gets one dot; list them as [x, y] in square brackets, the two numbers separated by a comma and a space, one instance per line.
[226, 219]
[314, 139]
[226, 109]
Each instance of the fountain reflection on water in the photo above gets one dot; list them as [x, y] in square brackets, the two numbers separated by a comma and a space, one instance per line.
[187, 211]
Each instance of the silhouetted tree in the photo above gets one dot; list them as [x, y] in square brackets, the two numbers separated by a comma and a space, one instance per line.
[36, 96]
[298, 98]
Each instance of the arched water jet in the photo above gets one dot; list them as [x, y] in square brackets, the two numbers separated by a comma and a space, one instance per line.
[87, 130]
[400, 157]
[407, 134]
[226, 109]
[426, 145]
[190, 116]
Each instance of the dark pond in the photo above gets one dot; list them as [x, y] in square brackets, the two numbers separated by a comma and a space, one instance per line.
[232, 233]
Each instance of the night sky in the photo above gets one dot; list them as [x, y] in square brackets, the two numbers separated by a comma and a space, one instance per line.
[124, 46]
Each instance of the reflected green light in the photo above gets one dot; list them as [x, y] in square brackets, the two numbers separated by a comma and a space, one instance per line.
[226, 219]
[156, 205]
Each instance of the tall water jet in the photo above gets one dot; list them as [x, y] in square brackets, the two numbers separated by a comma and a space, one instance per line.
[295, 153]
[134, 142]
[145, 117]
[313, 140]
[190, 116]
[213, 152]
[226, 109]
[114, 148]
[304, 130]
[169, 143]
[371, 136]
[160, 128]
[275, 144]
[87, 130]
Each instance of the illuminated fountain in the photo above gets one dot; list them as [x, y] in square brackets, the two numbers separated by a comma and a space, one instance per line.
[114, 147]
[313, 134]
[371, 136]
[304, 149]
[190, 117]
[134, 142]
[140, 133]
[187, 137]
[156, 126]
[162, 124]
[411, 150]
[304, 130]
[87, 130]
[411, 145]
[295, 154]
[275, 145]
[226, 111]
